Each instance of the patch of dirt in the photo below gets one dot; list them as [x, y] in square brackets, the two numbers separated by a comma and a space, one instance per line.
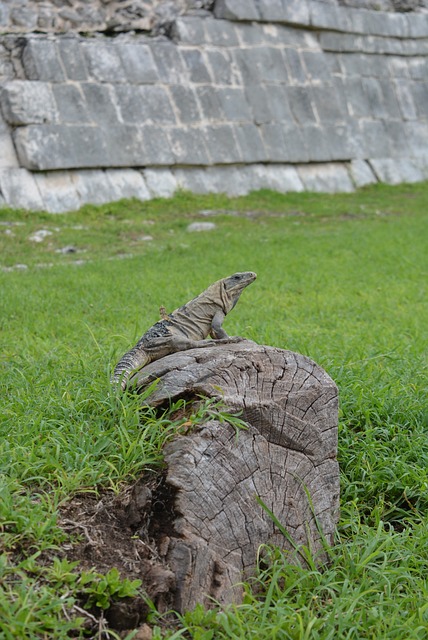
[130, 532]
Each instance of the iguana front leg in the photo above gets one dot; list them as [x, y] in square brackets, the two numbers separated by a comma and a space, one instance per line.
[217, 332]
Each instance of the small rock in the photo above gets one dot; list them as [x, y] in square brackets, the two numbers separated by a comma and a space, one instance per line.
[16, 267]
[39, 236]
[67, 249]
[144, 633]
[145, 238]
[201, 226]
[217, 212]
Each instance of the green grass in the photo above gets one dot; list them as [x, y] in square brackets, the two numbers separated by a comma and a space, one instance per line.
[342, 279]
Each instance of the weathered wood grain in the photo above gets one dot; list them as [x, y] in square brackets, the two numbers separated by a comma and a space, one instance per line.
[286, 458]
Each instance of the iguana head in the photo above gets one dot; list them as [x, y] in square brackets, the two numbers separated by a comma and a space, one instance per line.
[233, 286]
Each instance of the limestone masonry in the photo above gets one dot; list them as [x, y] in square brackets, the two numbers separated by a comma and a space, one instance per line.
[231, 96]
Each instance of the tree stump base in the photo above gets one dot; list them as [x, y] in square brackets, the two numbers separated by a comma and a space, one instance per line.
[210, 521]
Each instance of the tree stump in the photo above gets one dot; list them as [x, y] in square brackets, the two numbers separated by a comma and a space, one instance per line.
[212, 522]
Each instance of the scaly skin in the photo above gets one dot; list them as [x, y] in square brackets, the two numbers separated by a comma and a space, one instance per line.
[187, 327]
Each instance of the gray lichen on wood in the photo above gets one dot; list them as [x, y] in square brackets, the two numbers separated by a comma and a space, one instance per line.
[286, 458]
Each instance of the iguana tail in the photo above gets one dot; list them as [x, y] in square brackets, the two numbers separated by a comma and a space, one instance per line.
[131, 362]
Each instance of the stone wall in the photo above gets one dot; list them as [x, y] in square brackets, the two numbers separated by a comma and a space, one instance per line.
[112, 16]
[282, 94]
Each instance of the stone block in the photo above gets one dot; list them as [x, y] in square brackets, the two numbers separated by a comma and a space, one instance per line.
[380, 46]
[125, 146]
[374, 136]
[209, 102]
[127, 183]
[72, 58]
[344, 141]
[71, 103]
[25, 102]
[375, 98]
[160, 182]
[100, 103]
[421, 163]
[236, 10]
[294, 11]
[234, 104]
[287, 36]
[157, 148]
[340, 42]
[396, 170]
[189, 30]
[58, 191]
[104, 62]
[405, 99]
[20, 190]
[280, 178]
[231, 180]
[49, 147]
[93, 186]
[253, 34]
[316, 143]
[185, 103]
[418, 68]
[397, 139]
[23, 17]
[390, 99]
[361, 173]
[320, 65]
[419, 92]
[4, 128]
[326, 178]
[398, 67]
[258, 99]
[300, 101]
[7, 70]
[417, 25]
[261, 64]
[411, 47]
[329, 103]
[8, 157]
[222, 144]
[417, 137]
[357, 99]
[142, 104]
[223, 67]
[395, 25]
[221, 33]
[293, 61]
[188, 145]
[351, 64]
[277, 96]
[354, 20]
[170, 66]
[194, 180]
[135, 146]
[196, 66]
[284, 143]
[40, 59]
[381, 23]
[250, 143]
[138, 64]
[323, 16]
[268, 103]
[4, 15]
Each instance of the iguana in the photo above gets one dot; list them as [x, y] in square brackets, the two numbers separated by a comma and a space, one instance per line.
[187, 327]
